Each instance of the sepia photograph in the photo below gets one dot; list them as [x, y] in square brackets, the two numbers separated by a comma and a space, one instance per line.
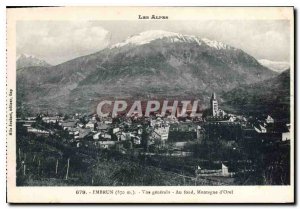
[152, 100]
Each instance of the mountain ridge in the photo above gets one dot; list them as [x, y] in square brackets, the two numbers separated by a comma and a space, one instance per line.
[277, 66]
[160, 68]
[25, 61]
[148, 36]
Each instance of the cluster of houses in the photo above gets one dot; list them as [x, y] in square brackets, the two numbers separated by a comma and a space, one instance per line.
[102, 132]
[268, 129]
[127, 133]
[108, 132]
[264, 128]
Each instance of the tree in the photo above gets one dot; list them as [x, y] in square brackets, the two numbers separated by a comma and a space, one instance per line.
[66, 117]
[145, 138]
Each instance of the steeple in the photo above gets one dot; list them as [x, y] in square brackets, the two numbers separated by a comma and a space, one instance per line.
[214, 105]
[213, 96]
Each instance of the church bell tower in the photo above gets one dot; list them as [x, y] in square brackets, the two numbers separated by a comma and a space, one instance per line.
[214, 105]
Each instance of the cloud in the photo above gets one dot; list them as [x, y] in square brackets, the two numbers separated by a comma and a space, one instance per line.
[263, 39]
[59, 41]
[272, 45]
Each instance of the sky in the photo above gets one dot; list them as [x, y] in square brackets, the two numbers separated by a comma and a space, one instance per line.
[60, 41]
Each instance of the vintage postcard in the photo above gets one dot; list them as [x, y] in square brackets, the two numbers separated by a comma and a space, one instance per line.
[150, 105]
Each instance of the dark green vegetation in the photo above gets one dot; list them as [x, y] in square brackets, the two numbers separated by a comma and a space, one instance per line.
[272, 163]
[87, 166]
[46, 158]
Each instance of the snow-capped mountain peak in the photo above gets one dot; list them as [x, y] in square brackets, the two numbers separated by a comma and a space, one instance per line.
[22, 56]
[276, 66]
[149, 36]
[215, 44]
[26, 60]
[145, 37]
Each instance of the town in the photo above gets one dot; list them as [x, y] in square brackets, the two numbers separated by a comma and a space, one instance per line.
[216, 148]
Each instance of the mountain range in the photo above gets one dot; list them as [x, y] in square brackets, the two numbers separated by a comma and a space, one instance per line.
[24, 61]
[275, 65]
[149, 65]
